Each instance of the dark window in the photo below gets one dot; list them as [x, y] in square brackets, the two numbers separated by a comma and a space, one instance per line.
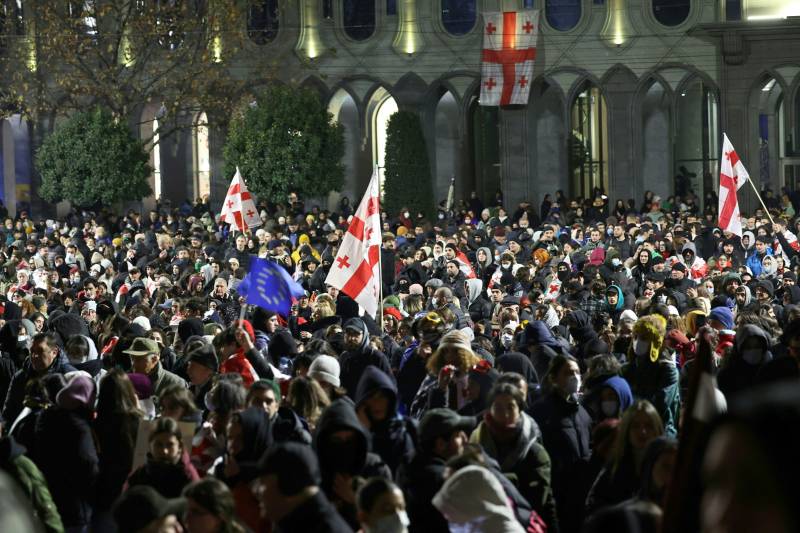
[671, 12]
[391, 7]
[459, 16]
[359, 18]
[563, 15]
[327, 9]
[527, 4]
[262, 21]
[733, 9]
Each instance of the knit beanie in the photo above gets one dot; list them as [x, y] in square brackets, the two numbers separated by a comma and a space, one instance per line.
[325, 368]
[651, 328]
[79, 392]
[455, 339]
[723, 315]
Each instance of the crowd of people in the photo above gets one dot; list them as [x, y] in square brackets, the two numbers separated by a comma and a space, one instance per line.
[529, 371]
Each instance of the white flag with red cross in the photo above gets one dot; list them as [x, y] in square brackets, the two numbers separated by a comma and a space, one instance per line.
[356, 269]
[239, 209]
[509, 50]
[732, 175]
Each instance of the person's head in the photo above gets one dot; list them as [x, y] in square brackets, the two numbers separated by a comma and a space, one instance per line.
[354, 332]
[264, 394]
[116, 396]
[640, 424]
[506, 402]
[141, 509]
[44, 351]
[165, 442]
[202, 364]
[381, 507]
[210, 507]
[564, 375]
[288, 476]
[144, 354]
[658, 465]
[77, 348]
[176, 402]
[226, 396]
[442, 432]
[454, 349]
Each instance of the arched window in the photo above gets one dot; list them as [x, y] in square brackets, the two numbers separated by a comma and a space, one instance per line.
[562, 15]
[83, 13]
[671, 12]
[262, 21]
[391, 7]
[589, 142]
[385, 109]
[359, 18]
[459, 16]
[156, 161]
[203, 163]
[168, 13]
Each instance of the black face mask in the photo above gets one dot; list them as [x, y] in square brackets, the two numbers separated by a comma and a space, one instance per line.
[342, 456]
[563, 275]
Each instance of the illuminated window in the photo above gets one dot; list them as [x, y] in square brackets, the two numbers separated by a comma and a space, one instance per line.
[589, 142]
[563, 15]
[671, 12]
[459, 16]
[386, 109]
[262, 21]
[156, 161]
[203, 184]
[359, 18]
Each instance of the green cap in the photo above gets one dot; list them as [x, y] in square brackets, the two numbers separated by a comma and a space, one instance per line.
[142, 346]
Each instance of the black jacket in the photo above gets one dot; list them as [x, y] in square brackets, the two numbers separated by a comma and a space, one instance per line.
[420, 481]
[16, 391]
[355, 362]
[316, 515]
[393, 439]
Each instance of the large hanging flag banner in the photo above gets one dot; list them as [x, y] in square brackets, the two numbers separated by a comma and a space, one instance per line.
[509, 50]
[732, 175]
[356, 269]
[239, 209]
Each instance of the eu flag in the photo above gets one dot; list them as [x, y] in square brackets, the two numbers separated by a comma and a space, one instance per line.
[269, 286]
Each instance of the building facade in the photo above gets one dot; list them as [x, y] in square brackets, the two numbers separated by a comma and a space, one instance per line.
[628, 96]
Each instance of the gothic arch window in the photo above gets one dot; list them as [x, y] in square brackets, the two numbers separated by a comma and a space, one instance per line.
[671, 12]
[11, 17]
[262, 21]
[359, 18]
[562, 15]
[459, 16]
[589, 141]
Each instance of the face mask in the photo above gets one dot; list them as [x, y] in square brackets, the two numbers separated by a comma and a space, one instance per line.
[753, 356]
[149, 407]
[609, 408]
[616, 262]
[435, 302]
[209, 402]
[22, 339]
[641, 348]
[563, 275]
[505, 266]
[441, 216]
[610, 231]
[396, 522]
[710, 291]
[573, 385]
[506, 339]
[407, 214]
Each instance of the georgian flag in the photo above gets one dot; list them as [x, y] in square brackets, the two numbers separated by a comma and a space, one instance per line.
[239, 210]
[732, 175]
[356, 269]
[509, 50]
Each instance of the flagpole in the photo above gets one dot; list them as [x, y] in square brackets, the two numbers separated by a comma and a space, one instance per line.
[380, 256]
[755, 190]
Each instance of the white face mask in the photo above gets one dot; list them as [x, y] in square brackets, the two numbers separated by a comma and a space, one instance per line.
[609, 408]
[573, 384]
[506, 265]
[641, 348]
[753, 356]
[435, 302]
[506, 339]
[149, 407]
[407, 214]
[396, 522]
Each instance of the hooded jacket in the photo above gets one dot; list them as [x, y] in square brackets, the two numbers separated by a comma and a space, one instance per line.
[393, 439]
[352, 458]
[16, 391]
[658, 383]
[737, 375]
[355, 362]
[478, 306]
[587, 342]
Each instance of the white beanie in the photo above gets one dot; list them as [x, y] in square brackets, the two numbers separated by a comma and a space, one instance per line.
[142, 321]
[628, 315]
[325, 368]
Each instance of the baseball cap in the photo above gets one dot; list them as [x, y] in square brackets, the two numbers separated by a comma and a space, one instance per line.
[142, 346]
[442, 422]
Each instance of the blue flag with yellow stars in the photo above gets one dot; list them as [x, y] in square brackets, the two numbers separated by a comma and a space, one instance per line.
[269, 286]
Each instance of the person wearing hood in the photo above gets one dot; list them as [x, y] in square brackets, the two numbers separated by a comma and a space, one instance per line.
[538, 342]
[65, 450]
[472, 499]
[428, 331]
[358, 355]
[651, 372]
[695, 265]
[393, 435]
[478, 306]
[587, 342]
[46, 358]
[249, 436]
[610, 398]
[15, 338]
[740, 370]
[343, 446]
[32, 483]
[756, 255]
[82, 354]
[520, 366]
[615, 300]
[566, 434]
[512, 438]
[769, 267]
[484, 264]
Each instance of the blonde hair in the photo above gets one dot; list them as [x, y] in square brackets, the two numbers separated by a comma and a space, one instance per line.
[324, 306]
[622, 445]
[457, 356]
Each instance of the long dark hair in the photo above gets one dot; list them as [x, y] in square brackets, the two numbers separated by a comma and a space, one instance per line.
[116, 397]
[215, 497]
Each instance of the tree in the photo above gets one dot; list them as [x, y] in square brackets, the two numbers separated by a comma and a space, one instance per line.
[122, 55]
[286, 141]
[93, 158]
[407, 174]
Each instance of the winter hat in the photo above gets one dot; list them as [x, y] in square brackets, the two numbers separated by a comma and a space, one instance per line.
[204, 355]
[142, 385]
[325, 368]
[415, 288]
[142, 321]
[723, 315]
[651, 328]
[455, 339]
[79, 392]
[189, 327]
[628, 315]
[597, 257]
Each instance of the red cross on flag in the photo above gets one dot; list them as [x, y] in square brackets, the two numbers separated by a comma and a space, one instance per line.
[732, 175]
[356, 269]
[239, 210]
[509, 49]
